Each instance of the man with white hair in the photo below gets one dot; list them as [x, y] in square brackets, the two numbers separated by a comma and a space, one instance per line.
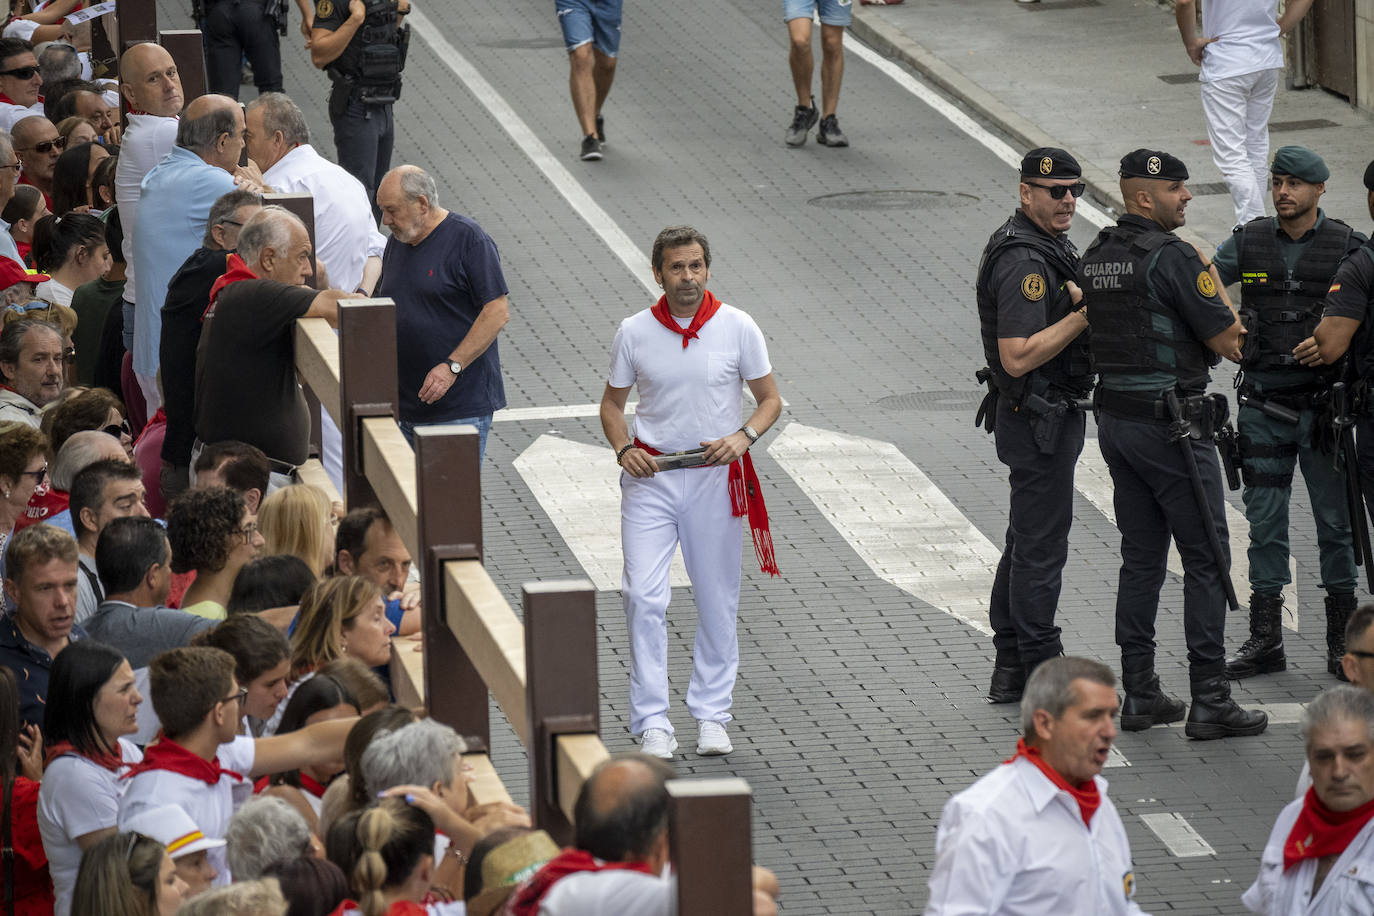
[1321, 851]
[444, 274]
[1039, 834]
[31, 369]
[245, 362]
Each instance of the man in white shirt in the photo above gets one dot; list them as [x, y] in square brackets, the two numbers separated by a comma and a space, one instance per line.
[1319, 860]
[152, 88]
[1240, 54]
[20, 82]
[688, 355]
[1038, 834]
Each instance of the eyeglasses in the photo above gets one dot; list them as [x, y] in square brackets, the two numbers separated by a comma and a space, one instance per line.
[118, 430]
[1359, 653]
[47, 146]
[230, 222]
[134, 837]
[1057, 191]
[37, 475]
[249, 530]
[13, 165]
[238, 696]
[20, 73]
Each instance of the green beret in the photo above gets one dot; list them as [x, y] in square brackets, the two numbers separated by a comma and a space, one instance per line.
[1301, 163]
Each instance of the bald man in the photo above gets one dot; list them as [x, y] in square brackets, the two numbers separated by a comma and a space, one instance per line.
[37, 145]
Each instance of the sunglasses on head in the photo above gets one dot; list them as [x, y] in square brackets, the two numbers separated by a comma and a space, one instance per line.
[20, 73]
[1057, 191]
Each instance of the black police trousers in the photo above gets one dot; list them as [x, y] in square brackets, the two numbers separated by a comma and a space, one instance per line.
[364, 134]
[235, 29]
[1364, 453]
[1025, 592]
[1153, 497]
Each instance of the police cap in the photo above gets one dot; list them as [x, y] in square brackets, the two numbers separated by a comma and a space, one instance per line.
[1153, 163]
[1049, 162]
[1301, 163]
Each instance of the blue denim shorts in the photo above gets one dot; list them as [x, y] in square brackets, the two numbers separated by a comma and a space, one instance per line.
[833, 12]
[595, 21]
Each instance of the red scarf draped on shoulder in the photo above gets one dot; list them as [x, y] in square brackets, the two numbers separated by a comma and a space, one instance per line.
[43, 507]
[709, 306]
[1087, 795]
[234, 271]
[110, 760]
[526, 900]
[166, 754]
[308, 784]
[1319, 831]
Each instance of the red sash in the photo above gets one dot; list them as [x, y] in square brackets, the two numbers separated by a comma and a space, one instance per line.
[526, 900]
[166, 754]
[43, 507]
[1319, 831]
[746, 497]
[1087, 796]
[234, 271]
[108, 760]
[709, 306]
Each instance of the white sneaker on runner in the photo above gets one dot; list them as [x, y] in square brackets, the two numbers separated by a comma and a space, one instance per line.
[712, 741]
[657, 742]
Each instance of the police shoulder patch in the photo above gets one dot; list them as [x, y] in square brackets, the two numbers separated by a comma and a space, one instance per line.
[1205, 285]
[1033, 287]
[324, 9]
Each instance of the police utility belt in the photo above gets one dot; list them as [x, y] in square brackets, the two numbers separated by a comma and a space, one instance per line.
[1205, 413]
[1043, 405]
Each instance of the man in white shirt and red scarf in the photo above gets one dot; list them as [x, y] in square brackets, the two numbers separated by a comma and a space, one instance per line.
[1038, 834]
[688, 355]
[1320, 854]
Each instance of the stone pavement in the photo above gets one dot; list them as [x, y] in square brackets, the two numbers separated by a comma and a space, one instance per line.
[1103, 77]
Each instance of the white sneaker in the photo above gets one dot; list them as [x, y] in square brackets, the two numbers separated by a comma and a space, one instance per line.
[712, 741]
[657, 742]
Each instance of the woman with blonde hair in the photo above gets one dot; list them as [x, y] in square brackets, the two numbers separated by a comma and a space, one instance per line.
[342, 616]
[299, 520]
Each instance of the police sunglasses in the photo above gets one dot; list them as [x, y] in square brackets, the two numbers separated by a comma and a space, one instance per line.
[20, 73]
[1057, 191]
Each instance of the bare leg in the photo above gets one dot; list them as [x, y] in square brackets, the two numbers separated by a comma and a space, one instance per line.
[583, 87]
[603, 74]
[799, 56]
[832, 67]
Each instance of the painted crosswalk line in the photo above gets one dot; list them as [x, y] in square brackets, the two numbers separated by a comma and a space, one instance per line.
[1094, 481]
[578, 485]
[894, 517]
[1178, 835]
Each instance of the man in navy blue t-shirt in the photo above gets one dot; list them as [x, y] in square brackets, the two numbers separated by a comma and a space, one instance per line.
[445, 275]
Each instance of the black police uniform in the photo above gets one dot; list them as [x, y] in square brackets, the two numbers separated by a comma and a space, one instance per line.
[1151, 304]
[1039, 434]
[235, 29]
[1352, 296]
[367, 80]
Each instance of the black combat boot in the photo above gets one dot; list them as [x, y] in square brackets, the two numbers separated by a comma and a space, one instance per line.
[1008, 678]
[1262, 653]
[1214, 714]
[1146, 702]
[1338, 611]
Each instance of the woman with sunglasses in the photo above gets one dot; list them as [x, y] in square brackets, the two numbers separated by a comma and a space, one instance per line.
[92, 708]
[128, 874]
[23, 469]
[71, 250]
[92, 408]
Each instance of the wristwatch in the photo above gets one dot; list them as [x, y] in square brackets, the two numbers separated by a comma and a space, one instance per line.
[749, 432]
[454, 366]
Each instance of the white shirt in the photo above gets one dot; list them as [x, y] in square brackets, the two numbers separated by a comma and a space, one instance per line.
[1348, 888]
[209, 807]
[345, 232]
[1247, 33]
[89, 594]
[618, 891]
[687, 396]
[52, 291]
[1015, 844]
[147, 139]
[77, 797]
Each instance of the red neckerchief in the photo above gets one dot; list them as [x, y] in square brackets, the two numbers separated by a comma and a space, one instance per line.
[1319, 831]
[234, 271]
[110, 761]
[746, 497]
[569, 861]
[307, 785]
[166, 754]
[399, 908]
[1086, 794]
[42, 507]
[709, 306]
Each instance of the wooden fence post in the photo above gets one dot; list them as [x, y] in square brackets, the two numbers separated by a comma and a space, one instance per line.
[711, 847]
[137, 22]
[367, 384]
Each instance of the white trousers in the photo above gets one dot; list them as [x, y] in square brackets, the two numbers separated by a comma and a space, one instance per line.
[1237, 110]
[690, 507]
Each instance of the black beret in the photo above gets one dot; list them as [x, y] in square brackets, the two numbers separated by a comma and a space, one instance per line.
[1152, 163]
[1049, 162]
[1369, 177]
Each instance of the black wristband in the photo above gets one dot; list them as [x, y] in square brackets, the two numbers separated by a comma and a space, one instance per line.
[620, 455]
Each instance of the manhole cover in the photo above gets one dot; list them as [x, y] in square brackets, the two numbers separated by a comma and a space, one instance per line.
[934, 400]
[1310, 124]
[525, 44]
[889, 200]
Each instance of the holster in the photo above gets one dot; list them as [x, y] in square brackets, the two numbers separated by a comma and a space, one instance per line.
[1250, 342]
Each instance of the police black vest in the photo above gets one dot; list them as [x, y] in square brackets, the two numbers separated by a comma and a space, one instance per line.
[1070, 370]
[371, 62]
[1286, 310]
[1125, 339]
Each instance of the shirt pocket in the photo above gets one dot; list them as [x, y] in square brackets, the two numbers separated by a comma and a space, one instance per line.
[722, 368]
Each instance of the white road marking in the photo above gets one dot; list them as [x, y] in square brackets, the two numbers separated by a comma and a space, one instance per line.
[1115, 758]
[578, 486]
[1094, 481]
[565, 411]
[1175, 832]
[950, 113]
[895, 518]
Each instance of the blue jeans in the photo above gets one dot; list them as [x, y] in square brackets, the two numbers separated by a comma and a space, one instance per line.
[483, 424]
[832, 12]
[595, 21]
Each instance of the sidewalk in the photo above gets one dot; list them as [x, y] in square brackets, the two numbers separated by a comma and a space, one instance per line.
[1100, 78]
